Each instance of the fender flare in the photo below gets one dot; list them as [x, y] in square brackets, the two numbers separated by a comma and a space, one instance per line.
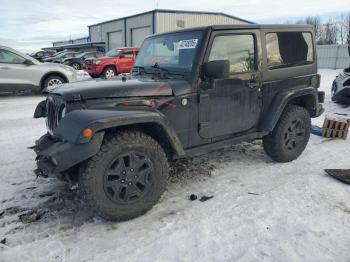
[52, 73]
[281, 100]
[71, 126]
[110, 65]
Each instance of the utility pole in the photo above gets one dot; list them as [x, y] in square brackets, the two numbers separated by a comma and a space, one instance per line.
[157, 4]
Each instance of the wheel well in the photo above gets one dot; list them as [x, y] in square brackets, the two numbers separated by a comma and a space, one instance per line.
[154, 130]
[115, 68]
[43, 79]
[306, 101]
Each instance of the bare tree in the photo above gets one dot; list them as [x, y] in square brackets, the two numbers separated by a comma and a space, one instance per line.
[335, 31]
[330, 32]
[316, 22]
[347, 26]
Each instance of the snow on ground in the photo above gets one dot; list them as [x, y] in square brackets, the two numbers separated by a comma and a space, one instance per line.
[261, 210]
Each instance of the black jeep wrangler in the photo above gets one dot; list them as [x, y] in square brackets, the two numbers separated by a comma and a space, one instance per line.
[189, 91]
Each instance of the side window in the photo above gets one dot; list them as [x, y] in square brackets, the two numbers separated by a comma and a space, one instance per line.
[287, 49]
[8, 57]
[238, 49]
[128, 54]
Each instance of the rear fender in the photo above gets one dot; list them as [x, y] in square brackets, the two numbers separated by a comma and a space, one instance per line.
[306, 97]
[72, 125]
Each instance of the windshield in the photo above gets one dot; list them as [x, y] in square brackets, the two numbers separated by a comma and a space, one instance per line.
[61, 55]
[176, 50]
[112, 53]
[82, 55]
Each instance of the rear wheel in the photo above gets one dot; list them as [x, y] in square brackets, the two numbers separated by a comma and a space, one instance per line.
[290, 136]
[109, 72]
[126, 178]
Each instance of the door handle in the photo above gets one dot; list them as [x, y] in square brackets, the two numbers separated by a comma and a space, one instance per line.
[4, 67]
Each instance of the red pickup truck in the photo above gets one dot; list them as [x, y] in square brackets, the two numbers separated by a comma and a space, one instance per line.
[116, 61]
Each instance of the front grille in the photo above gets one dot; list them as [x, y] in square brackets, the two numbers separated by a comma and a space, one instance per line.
[53, 104]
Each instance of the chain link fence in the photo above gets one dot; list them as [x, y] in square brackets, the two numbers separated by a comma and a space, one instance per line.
[333, 56]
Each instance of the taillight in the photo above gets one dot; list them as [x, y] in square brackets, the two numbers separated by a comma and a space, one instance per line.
[318, 80]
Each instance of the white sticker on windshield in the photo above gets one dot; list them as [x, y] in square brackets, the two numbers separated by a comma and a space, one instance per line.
[186, 44]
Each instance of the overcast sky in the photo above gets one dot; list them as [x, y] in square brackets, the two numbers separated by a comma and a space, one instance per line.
[28, 25]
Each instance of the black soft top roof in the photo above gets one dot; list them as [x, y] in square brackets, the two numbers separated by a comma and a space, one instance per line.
[292, 27]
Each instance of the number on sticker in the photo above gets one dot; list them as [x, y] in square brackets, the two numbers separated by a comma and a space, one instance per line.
[185, 44]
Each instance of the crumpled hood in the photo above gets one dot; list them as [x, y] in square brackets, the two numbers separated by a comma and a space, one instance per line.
[116, 88]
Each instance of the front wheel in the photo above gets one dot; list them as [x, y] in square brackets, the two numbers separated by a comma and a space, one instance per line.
[290, 136]
[53, 80]
[126, 178]
[109, 72]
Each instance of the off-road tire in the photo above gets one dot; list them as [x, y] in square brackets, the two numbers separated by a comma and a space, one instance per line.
[52, 78]
[105, 72]
[277, 145]
[93, 174]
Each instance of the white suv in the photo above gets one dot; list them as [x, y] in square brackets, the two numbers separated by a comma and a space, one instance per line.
[20, 72]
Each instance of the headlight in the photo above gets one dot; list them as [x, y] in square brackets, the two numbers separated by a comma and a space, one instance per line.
[96, 62]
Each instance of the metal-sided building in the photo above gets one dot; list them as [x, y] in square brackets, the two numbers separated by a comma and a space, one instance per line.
[132, 30]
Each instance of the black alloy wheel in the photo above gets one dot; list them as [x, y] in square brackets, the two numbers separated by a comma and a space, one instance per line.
[294, 134]
[129, 178]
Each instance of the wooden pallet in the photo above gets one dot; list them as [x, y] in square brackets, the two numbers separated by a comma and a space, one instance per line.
[335, 127]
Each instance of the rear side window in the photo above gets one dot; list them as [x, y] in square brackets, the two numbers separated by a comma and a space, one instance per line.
[238, 49]
[287, 49]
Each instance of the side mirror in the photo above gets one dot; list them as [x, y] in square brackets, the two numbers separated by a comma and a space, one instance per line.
[217, 69]
[28, 62]
[121, 56]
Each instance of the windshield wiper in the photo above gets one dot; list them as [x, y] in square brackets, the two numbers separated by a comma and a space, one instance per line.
[162, 72]
[155, 70]
[166, 73]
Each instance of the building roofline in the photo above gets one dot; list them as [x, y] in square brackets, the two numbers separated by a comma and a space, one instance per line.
[173, 11]
[202, 13]
[88, 44]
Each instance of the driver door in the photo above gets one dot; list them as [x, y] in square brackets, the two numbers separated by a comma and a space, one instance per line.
[126, 61]
[232, 105]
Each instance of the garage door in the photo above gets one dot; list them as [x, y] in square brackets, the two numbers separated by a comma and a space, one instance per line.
[139, 34]
[115, 39]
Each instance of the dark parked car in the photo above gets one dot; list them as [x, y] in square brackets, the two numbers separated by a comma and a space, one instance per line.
[191, 91]
[341, 86]
[40, 55]
[78, 61]
[60, 57]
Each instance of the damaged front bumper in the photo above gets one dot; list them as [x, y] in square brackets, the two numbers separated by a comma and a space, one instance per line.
[55, 157]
